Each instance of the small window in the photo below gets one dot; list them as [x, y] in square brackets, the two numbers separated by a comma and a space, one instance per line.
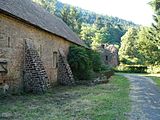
[3, 67]
[40, 51]
[102, 46]
[55, 60]
[9, 42]
[106, 58]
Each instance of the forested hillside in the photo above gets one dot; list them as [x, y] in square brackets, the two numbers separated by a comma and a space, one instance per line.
[93, 28]
[89, 17]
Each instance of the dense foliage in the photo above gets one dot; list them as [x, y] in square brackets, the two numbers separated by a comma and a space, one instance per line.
[131, 68]
[84, 62]
[139, 45]
[142, 45]
[79, 62]
[93, 28]
[155, 31]
[128, 50]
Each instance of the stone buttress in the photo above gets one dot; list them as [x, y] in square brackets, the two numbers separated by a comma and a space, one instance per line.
[35, 76]
[65, 76]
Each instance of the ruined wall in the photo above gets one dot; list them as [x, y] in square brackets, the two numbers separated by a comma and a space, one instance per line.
[13, 33]
[110, 55]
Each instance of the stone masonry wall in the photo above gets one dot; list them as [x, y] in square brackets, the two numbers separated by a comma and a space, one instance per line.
[65, 76]
[110, 55]
[35, 76]
[13, 32]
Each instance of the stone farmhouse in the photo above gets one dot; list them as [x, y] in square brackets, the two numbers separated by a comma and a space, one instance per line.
[109, 55]
[33, 48]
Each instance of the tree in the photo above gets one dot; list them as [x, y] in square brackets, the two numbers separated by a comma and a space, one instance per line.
[71, 16]
[91, 35]
[84, 62]
[99, 22]
[128, 51]
[155, 31]
[108, 29]
[148, 50]
[138, 48]
[96, 41]
[87, 33]
[75, 20]
[64, 15]
[80, 62]
[49, 5]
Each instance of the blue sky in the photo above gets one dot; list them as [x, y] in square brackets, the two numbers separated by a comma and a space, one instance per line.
[137, 11]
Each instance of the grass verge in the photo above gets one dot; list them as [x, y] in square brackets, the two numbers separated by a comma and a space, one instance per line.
[156, 80]
[101, 102]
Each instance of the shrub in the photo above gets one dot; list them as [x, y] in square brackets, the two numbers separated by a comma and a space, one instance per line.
[96, 62]
[138, 69]
[131, 68]
[80, 63]
[84, 63]
[154, 69]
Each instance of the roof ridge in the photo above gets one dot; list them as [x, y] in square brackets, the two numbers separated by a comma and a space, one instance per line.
[34, 14]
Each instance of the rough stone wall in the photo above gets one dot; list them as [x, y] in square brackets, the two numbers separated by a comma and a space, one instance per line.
[65, 76]
[35, 76]
[11, 50]
[13, 32]
[114, 55]
[110, 55]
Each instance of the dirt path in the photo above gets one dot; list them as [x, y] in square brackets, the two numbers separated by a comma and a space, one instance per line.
[145, 96]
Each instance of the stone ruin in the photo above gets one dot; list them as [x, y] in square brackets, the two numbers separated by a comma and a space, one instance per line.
[109, 55]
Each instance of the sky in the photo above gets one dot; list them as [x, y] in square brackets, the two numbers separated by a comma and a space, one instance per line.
[137, 11]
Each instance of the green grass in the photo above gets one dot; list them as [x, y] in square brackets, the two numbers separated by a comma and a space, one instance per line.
[156, 80]
[101, 102]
